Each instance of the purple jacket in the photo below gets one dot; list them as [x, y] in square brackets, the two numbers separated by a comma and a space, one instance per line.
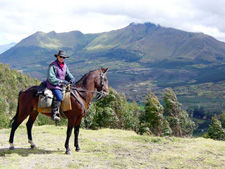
[55, 75]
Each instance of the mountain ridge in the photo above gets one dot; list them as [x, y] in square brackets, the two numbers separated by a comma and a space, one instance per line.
[5, 47]
[140, 57]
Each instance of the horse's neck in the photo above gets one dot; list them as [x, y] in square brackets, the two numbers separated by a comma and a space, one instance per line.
[88, 87]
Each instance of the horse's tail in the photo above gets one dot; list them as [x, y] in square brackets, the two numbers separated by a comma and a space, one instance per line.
[17, 111]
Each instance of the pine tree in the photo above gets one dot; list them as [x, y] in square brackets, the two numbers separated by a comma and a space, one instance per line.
[153, 115]
[167, 131]
[178, 119]
[223, 119]
[215, 130]
[187, 125]
[172, 109]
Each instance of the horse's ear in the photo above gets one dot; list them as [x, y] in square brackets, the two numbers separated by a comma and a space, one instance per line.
[104, 70]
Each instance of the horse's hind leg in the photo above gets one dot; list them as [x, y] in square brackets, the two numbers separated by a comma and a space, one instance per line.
[29, 125]
[12, 133]
[17, 121]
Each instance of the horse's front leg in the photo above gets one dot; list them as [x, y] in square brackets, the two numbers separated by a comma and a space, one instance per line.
[68, 134]
[76, 134]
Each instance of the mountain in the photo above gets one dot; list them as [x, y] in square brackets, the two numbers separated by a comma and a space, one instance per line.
[3, 48]
[140, 57]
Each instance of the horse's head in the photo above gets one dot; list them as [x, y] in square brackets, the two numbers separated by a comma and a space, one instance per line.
[102, 82]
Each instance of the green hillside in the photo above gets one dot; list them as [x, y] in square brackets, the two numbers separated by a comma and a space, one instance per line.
[107, 148]
[11, 82]
[140, 57]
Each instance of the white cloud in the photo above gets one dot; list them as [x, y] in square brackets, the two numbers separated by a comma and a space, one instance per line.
[20, 19]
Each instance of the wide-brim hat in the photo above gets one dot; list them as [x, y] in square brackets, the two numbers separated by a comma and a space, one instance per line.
[62, 53]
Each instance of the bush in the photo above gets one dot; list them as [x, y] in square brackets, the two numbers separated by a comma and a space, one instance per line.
[144, 129]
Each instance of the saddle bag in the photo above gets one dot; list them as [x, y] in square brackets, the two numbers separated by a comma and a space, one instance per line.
[45, 99]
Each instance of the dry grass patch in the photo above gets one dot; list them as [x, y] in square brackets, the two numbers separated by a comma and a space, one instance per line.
[108, 148]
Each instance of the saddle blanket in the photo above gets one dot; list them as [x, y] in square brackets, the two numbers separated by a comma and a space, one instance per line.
[65, 105]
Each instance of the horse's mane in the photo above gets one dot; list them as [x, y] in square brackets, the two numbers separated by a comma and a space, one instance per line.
[83, 78]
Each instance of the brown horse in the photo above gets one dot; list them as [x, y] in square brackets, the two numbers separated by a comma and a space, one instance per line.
[84, 91]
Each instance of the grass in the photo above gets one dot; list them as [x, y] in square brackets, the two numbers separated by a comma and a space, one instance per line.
[108, 148]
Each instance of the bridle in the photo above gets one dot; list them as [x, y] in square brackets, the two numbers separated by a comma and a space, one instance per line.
[102, 82]
[99, 94]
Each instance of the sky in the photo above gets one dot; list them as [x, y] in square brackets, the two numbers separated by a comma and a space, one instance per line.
[21, 18]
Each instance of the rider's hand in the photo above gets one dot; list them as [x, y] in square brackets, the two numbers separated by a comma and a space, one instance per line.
[72, 81]
[65, 82]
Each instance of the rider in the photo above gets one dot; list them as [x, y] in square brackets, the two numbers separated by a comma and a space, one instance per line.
[57, 75]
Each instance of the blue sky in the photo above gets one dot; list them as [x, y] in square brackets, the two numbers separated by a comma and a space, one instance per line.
[21, 18]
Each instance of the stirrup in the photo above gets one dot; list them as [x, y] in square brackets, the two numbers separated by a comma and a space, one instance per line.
[55, 118]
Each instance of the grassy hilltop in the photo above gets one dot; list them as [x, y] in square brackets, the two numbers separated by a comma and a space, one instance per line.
[107, 148]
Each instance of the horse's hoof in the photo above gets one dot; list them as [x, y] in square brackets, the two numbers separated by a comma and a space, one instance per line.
[33, 146]
[12, 148]
[77, 149]
[68, 152]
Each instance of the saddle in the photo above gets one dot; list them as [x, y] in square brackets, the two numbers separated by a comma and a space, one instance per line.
[46, 98]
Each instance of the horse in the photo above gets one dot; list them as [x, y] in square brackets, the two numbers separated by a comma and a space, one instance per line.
[82, 93]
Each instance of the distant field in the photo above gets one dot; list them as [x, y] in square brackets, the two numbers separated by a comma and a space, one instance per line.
[108, 148]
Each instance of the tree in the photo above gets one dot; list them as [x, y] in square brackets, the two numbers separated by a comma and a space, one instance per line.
[187, 125]
[4, 119]
[167, 131]
[172, 109]
[215, 130]
[178, 119]
[223, 119]
[132, 119]
[152, 118]
[10, 85]
[112, 111]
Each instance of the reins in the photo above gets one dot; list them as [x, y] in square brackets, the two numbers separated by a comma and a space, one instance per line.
[99, 94]
[83, 90]
[81, 103]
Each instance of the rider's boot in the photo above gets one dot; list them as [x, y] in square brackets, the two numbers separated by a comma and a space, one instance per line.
[55, 110]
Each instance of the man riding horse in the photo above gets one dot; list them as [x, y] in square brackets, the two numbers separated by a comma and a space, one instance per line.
[57, 75]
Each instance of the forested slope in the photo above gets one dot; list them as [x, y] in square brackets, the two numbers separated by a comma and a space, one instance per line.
[11, 82]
